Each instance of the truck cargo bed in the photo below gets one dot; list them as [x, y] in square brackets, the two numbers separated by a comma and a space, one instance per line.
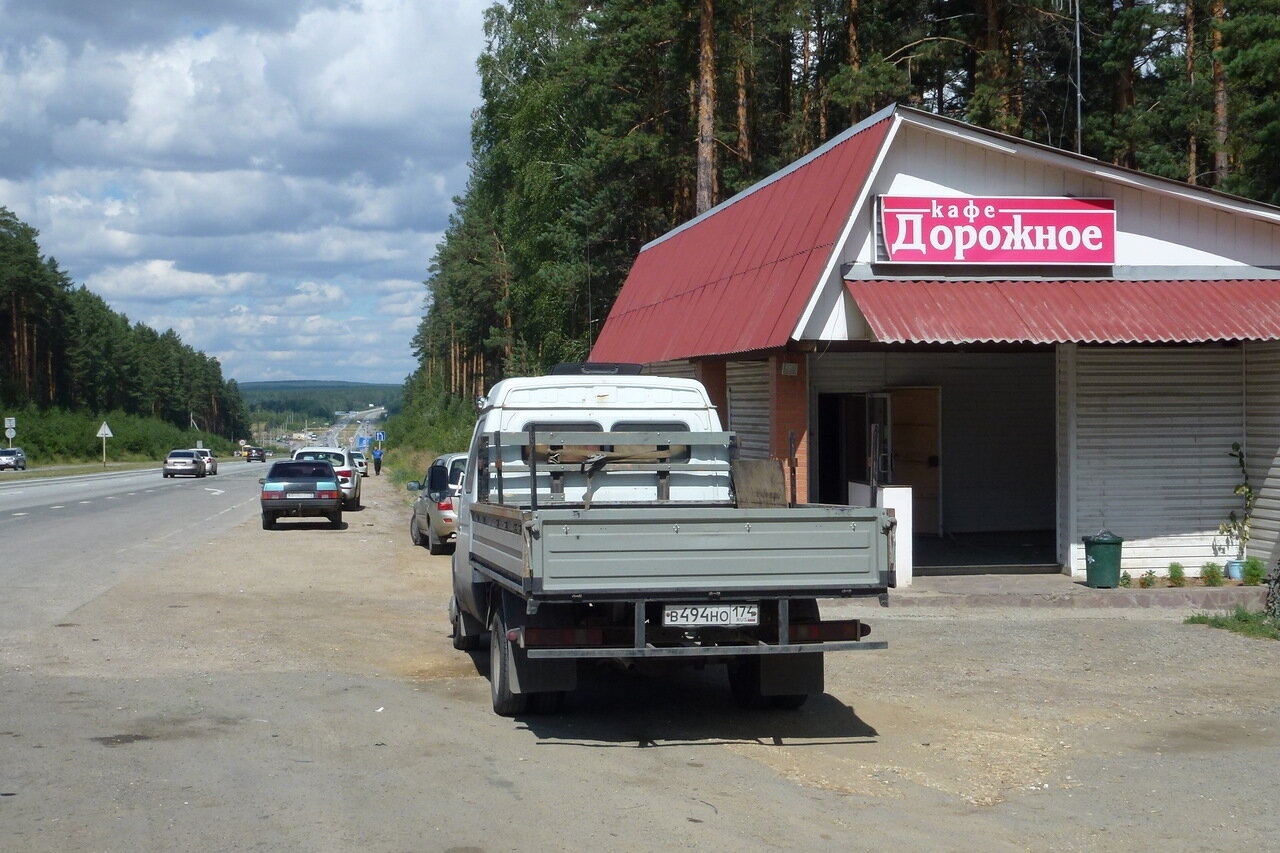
[616, 553]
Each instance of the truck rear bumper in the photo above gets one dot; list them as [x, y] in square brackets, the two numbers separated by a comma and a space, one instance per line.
[710, 652]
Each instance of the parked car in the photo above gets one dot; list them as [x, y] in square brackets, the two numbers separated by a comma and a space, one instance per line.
[302, 488]
[362, 464]
[13, 457]
[343, 464]
[186, 462]
[210, 461]
[435, 519]
[255, 454]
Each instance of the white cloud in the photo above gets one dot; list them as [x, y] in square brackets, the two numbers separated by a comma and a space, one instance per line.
[162, 281]
[284, 170]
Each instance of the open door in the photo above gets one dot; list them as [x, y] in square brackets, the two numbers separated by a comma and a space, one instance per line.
[853, 443]
[892, 438]
[915, 419]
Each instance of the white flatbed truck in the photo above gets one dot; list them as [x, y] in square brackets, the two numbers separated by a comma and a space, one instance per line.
[600, 517]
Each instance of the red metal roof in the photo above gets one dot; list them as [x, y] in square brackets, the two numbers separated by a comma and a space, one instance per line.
[1050, 312]
[737, 278]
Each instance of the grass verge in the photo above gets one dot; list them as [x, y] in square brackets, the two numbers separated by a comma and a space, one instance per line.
[70, 469]
[1249, 623]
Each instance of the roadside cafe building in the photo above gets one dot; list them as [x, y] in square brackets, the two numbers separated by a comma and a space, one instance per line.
[1012, 345]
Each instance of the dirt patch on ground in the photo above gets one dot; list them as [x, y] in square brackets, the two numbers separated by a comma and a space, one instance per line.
[985, 706]
[973, 706]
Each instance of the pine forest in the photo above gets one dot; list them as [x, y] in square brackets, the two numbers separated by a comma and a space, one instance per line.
[605, 124]
[63, 348]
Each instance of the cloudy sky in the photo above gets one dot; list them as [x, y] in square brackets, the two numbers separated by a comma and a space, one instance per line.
[269, 178]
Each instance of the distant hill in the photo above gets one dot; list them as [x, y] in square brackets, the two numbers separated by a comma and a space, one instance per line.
[319, 396]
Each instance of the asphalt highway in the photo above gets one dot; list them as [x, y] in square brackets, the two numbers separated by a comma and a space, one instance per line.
[69, 539]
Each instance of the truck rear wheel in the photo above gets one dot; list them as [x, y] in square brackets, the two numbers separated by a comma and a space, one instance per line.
[505, 703]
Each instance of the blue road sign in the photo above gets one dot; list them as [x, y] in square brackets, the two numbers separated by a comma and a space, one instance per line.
[380, 435]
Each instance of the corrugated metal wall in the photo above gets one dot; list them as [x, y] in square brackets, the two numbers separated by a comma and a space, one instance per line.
[1149, 449]
[681, 369]
[748, 383]
[1263, 447]
[998, 428]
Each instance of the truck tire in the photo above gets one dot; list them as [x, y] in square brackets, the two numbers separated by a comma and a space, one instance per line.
[550, 702]
[414, 536]
[505, 703]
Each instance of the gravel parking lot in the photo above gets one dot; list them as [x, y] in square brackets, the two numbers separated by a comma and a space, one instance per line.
[1003, 728]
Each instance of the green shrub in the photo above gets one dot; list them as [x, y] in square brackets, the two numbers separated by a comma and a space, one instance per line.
[1254, 571]
[57, 436]
[1177, 575]
[1148, 579]
[1212, 574]
[1126, 580]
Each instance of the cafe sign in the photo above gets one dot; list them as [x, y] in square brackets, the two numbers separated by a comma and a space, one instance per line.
[1006, 230]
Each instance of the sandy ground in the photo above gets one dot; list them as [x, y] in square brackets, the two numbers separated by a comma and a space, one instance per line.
[1033, 727]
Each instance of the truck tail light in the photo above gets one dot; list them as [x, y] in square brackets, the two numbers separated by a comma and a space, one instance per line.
[537, 637]
[445, 505]
[821, 632]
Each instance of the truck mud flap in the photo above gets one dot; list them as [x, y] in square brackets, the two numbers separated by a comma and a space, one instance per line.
[529, 673]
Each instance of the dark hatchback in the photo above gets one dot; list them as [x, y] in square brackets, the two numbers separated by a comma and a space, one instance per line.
[255, 454]
[301, 489]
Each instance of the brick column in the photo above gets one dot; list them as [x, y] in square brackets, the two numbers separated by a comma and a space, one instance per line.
[788, 413]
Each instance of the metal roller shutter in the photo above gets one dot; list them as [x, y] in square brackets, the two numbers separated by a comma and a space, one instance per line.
[681, 369]
[1152, 434]
[1262, 413]
[748, 383]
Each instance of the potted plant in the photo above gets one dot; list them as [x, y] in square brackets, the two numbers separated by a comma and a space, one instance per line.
[1238, 527]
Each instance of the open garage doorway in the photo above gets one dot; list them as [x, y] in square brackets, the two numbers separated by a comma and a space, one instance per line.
[972, 434]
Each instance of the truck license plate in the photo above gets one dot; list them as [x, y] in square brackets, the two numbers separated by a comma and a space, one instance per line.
[703, 615]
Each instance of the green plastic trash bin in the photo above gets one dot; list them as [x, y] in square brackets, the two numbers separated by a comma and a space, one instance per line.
[1102, 560]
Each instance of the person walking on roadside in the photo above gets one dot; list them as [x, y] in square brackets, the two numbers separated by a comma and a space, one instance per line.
[377, 461]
